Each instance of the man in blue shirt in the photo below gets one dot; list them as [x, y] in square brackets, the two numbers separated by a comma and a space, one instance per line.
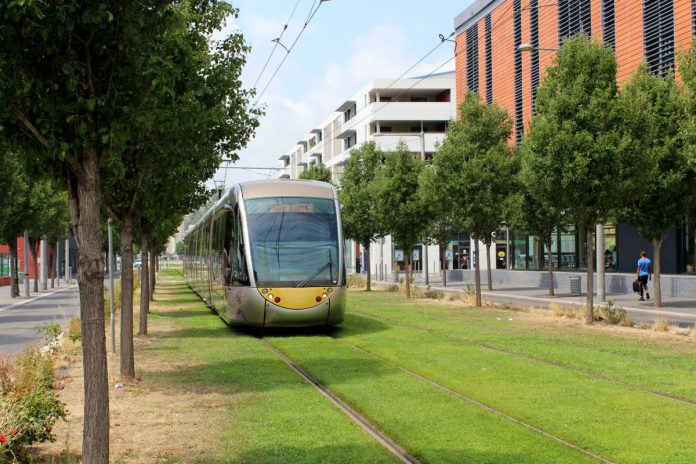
[644, 271]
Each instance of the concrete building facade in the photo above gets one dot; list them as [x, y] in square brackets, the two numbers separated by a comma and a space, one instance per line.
[415, 111]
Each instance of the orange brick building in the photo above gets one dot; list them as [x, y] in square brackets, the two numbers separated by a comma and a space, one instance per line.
[489, 61]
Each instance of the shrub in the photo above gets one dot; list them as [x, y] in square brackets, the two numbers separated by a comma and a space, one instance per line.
[51, 335]
[29, 404]
[357, 281]
[661, 325]
[117, 298]
[613, 314]
[74, 330]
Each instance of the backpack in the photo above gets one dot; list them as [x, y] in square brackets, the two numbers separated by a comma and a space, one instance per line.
[636, 286]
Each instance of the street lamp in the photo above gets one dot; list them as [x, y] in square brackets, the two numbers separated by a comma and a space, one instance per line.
[219, 186]
[525, 47]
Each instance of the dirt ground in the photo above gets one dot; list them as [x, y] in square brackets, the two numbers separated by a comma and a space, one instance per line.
[150, 422]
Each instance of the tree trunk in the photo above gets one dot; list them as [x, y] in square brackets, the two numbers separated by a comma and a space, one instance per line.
[33, 245]
[153, 277]
[144, 287]
[657, 289]
[477, 272]
[489, 273]
[549, 254]
[85, 216]
[369, 262]
[14, 281]
[126, 348]
[443, 260]
[589, 310]
[408, 272]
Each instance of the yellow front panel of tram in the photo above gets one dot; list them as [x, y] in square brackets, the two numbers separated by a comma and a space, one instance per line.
[297, 298]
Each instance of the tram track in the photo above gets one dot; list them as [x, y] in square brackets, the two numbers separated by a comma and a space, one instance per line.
[547, 362]
[355, 416]
[476, 403]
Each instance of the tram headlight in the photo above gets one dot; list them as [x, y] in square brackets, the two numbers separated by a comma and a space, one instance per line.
[264, 291]
[325, 295]
[330, 290]
[270, 296]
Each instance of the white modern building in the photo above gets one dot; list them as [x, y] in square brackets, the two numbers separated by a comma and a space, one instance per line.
[415, 111]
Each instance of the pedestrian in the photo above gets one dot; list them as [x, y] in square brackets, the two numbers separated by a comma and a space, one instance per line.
[644, 272]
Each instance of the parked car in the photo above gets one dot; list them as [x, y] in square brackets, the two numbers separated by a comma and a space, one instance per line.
[137, 262]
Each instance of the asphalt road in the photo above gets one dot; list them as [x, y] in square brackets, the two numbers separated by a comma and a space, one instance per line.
[18, 323]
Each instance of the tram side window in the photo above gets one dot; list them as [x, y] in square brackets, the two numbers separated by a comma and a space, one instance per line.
[239, 272]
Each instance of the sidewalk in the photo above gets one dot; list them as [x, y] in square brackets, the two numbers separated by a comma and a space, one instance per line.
[678, 311]
[6, 301]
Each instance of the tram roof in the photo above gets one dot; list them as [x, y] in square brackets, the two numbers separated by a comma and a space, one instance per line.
[287, 188]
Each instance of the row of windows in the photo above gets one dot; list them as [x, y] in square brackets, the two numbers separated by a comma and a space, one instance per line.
[574, 16]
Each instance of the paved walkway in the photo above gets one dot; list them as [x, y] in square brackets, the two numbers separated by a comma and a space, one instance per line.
[19, 317]
[676, 310]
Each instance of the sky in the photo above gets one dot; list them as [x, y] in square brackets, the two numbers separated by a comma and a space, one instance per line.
[346, 44]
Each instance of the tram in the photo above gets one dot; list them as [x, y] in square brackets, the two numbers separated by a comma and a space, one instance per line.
[270, 254]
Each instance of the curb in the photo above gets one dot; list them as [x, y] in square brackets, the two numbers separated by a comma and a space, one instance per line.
[23, 302]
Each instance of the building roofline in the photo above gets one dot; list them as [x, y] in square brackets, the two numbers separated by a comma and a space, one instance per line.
[474, 13]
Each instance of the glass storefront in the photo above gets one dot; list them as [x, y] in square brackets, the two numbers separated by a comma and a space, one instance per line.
[568, 249]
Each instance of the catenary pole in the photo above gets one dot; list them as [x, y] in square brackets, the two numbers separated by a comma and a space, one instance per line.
[67, 260]
[425, 245]
[44, 265]
[26, 263]
[601, 290]
[111, 288]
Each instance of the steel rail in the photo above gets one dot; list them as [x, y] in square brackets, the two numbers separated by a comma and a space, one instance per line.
[477, 403]
[356, 417]
[560, 365]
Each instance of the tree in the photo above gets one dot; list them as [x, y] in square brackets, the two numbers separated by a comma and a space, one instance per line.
[13, 191]
[317, 172]
[70, 71]
[654, 112]
[474, 166]
[47, 210]
[536, 215]
[399, 205]
[576, 158]
[441, 228]
[162, 168]
[361, 220]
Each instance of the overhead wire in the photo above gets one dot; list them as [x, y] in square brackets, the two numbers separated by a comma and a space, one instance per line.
[310, 16]
[277, 42]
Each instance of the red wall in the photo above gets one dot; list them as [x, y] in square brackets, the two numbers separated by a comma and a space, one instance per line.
[5, 249]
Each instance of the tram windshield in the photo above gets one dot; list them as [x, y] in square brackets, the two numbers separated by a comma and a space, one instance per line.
[294, 241]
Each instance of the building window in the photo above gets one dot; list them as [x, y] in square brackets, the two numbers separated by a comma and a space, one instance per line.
[349, 114]
[385, 99]
[534, 37]
[385, 129]
[348, 142]
[472, 59]
[517, 56]
[573, 18]
[608, 27]
[489, 61]
[419, 99]
[658, 35]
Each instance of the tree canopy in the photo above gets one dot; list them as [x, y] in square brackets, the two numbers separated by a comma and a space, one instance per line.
[577, 160]
[473, 168]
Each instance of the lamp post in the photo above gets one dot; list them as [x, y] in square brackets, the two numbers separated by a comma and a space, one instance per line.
[425, 245]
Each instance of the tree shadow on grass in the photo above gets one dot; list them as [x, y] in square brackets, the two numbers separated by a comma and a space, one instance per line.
[258, 373]
[273, 454]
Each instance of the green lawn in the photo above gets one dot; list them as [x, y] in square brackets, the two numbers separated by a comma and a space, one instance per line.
[584, 386]
[271, 415]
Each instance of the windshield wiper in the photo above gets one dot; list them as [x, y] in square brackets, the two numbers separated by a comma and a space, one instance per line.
[328, 264]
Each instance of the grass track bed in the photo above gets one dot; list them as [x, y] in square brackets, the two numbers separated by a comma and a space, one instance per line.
[268, 414]
[660, 365]
[431, 424]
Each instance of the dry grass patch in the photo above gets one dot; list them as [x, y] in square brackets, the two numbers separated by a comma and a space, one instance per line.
[167, 425]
